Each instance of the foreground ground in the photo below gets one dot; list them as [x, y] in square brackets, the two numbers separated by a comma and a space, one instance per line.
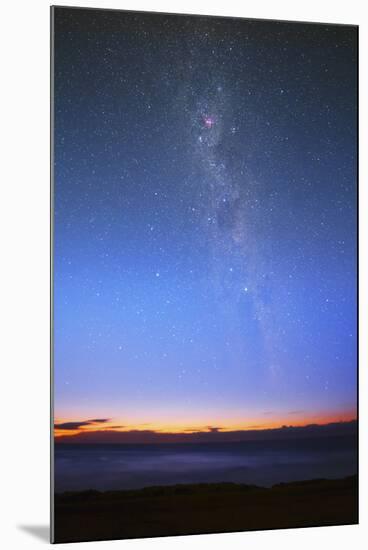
[203, 508]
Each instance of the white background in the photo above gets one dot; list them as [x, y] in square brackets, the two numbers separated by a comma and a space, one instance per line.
[24, 272]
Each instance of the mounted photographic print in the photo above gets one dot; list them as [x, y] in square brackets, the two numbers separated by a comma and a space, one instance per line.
[204, 322]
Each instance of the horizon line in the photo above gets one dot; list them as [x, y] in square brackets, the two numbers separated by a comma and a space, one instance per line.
[212, 432]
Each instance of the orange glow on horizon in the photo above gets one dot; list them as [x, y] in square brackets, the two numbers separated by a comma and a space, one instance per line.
[255, 423]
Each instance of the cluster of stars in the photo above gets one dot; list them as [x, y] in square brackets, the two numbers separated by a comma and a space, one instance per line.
[205, 213]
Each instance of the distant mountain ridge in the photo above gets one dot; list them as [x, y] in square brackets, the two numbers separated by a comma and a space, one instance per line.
[216, 436]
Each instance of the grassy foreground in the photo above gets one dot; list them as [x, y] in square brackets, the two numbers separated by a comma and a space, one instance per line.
[203, 508]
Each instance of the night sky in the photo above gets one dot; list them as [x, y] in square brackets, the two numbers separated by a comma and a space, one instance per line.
[205, 221]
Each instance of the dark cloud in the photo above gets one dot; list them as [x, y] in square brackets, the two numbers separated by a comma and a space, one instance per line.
[203, 429]
[116, 427]
[79, 424]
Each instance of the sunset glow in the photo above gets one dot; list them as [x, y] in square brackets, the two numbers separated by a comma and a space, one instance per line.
[118, 425]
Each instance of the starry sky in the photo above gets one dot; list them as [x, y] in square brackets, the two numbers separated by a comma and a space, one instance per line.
[204, 222]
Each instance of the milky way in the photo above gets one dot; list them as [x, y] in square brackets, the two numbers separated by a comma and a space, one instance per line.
[205, 218]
